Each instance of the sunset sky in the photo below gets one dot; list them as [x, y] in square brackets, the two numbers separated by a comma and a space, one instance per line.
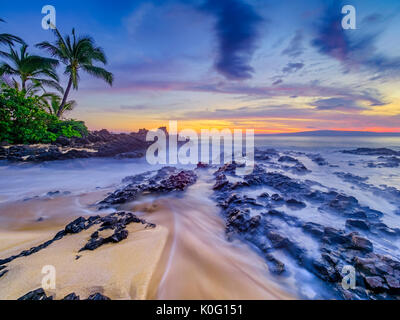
[275, 66]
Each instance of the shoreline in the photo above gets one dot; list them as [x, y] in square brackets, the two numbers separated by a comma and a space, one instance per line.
[98, 144]
[291, 225]
[140, 267]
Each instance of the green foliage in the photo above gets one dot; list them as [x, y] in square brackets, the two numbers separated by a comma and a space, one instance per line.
[69, 128]
[23, 120]
[26, 116]
[78, 126]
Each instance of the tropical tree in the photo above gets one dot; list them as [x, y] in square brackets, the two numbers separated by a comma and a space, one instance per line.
[31, 69]
[9, 39]
[53, 104]
[77, 53]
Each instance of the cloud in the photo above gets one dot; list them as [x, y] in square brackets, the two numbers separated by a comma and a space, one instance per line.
[337, 104]
[284, 117]
[370, 96]
[133, 22]
[295, 47]
[279, 81]
[272, 111]
[236, 27]
[331, 38]
[355, 49]
[293, 67]
[135, 108]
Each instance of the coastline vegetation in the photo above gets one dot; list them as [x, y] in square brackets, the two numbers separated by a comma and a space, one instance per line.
[33, 101]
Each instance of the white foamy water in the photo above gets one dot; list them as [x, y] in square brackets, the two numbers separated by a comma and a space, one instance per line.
[196, 227]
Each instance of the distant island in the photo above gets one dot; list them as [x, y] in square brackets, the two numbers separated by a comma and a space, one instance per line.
[336, 133]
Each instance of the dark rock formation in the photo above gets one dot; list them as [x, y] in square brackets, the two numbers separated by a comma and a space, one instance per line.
[38, 294]
[100, 143]
[71, 297]
[377, 276]
[373, 152]
[318, 159]
[116, 221]
[2, 273]
[98, 297]
[166, 180]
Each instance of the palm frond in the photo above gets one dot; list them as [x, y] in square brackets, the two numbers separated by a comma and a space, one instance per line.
[50, 83]
[100, 73]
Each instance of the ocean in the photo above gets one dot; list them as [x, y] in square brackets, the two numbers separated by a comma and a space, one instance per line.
[196, 251]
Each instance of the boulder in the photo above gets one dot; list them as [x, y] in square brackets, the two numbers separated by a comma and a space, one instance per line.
[71, 297]
[37, 294]
[358, 224]
[98, 297]
[376, 284]
[360, 243]
[76, 226]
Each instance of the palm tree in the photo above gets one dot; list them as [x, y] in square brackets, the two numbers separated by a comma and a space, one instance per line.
[8, 38]
[53, 104]
[30, 68]
[77, 54]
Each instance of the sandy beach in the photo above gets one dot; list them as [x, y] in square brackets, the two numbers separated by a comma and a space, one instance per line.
[184, 257]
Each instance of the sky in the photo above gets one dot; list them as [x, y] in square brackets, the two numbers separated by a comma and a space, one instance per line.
[272, 66]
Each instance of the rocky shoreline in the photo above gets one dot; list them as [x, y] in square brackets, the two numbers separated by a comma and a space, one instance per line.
[268, 223]
[101, 144]
[378, 275]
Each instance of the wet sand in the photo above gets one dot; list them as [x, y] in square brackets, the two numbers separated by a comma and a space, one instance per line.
[185, 257]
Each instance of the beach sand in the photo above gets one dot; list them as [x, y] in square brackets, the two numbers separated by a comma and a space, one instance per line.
[184, 257]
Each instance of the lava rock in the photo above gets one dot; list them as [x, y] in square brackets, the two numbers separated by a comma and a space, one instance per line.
[2, 273]
[373, 152]
[98, 297]
[37, 294]
[118, 236]
[325, 271]
[71, 297]
[393, 283]
[287, 159]
[76, 226]
[277, 198]
[376, 284]
[221, 182]
[314, 229]
[93, 244]
[360, 243]
[358, 224]
[334, 236]
[295, 204]
[278, 240]
[274, 265]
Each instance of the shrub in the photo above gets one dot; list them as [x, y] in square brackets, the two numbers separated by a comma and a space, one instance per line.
[69, 128]
[22, 120]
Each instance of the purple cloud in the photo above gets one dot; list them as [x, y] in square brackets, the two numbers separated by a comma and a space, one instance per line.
[295, 47]
[236, 27]
[293, 67]
[353, 48]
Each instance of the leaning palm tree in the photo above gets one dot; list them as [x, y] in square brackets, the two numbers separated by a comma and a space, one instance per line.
[77, 54]
[9, 39]
[53, 104]
[29, 68]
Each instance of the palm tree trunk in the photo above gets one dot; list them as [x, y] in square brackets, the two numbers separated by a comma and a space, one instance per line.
[64, 101]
